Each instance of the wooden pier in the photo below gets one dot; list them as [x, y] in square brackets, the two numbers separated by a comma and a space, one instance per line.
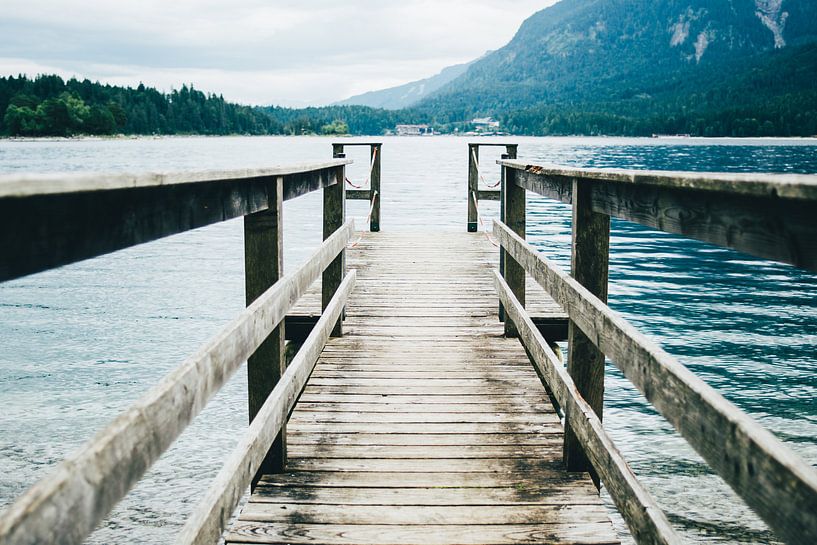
[423, 400]
[424, 423]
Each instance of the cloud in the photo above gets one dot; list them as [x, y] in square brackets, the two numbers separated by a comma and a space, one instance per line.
[254, 51]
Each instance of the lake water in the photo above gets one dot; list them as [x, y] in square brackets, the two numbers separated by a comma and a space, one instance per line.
[80, 343]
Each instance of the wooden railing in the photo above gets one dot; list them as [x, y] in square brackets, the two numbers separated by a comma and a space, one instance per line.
[373, 193]
[769, 216]
[48, 221]
[475, 194]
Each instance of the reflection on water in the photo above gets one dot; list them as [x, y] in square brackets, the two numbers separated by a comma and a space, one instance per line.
[80, 343]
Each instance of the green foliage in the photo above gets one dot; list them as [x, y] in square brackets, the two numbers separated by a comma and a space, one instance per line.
[621, 67]
[50, 106]
[336, 127]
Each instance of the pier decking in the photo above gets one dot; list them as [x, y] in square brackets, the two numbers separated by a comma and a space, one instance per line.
[424, 424]
[416, 409]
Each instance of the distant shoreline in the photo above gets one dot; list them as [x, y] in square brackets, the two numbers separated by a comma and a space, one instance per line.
[125, 137]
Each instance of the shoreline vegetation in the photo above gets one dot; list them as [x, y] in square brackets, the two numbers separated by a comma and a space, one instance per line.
[128, 137]
[48, 106]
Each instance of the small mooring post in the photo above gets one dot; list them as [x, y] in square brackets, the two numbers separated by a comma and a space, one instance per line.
[376, 154]
[473, 187]
[263, 266]
[512, 213]
[585, 363]
[334, 216]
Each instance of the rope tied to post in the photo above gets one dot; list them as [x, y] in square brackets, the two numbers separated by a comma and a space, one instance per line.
[479, 172]
[482, 222]
[368, 179]
[368, 219]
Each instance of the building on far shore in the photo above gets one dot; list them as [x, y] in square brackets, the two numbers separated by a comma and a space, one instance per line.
[485, 124]
[414, 130]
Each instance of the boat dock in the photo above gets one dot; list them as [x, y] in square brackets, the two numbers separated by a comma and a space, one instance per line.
[407, 388]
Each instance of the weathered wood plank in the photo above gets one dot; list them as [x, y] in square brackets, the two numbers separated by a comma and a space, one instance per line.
[374, 183]
[646, 520]
[47, 221]
[211, 515]
[473, 187]
[429, 439]
[546, 494]
[589, 258]
[382, 479]
[425, 412]
[557, 534]
[768, 216]
[428, 465]
[403, 428]
[263, 267]
[420, 514]
[334, 215]
[770, 478]
[513, 212]
[67, 505]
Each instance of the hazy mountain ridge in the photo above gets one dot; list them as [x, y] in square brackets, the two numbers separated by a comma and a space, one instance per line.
[409, 94]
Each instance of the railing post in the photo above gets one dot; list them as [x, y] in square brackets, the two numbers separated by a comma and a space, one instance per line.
[334, 212]
[589, 266]
[263, 266]
[473, 187]
[511, 151]
[502, 174]
[374, 222]
[512, 213]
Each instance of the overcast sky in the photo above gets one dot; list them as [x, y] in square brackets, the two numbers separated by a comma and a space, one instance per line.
[284, 52]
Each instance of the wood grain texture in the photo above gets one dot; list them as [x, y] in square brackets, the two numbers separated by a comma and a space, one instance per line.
[768, 216]
[589, 258]
[646, 520]
[66, 506]
[764, 472]
[424, 420]
[263, 266]
[47, 221]
[212, 514]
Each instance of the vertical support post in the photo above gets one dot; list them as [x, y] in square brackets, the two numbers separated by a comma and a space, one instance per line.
[374, 222]
[473, 187]
[589, 266]
[334, 215]
[503, 172]
[263, 266]
[510, 151]
[513, 214]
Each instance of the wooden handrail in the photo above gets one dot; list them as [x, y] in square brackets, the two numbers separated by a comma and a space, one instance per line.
[50, 220]
[67, 505]
[645, 519]
[766, 215]
[770, 478]
[210, 517]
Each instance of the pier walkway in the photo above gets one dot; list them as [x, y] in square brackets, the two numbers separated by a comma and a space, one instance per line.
[421, 398]
[424, 424]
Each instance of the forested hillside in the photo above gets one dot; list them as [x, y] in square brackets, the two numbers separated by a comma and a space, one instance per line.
[50, 106]
[705, 67]
[593, 67]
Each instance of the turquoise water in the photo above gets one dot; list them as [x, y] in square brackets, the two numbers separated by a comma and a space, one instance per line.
[82, 342]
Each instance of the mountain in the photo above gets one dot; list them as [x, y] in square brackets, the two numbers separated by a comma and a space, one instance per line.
[409, 94]
[630, 63]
